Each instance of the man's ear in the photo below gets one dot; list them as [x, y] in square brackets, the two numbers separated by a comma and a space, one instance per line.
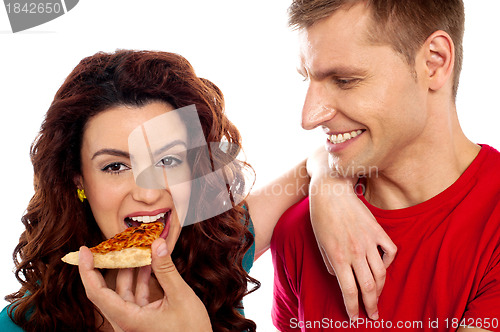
[439, 56]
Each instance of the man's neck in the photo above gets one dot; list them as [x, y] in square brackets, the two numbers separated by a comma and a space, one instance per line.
[423, 170]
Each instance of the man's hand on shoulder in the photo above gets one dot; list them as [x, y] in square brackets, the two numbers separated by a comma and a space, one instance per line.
[349, 237]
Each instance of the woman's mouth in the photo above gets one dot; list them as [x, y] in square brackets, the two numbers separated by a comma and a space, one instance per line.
[163, 217]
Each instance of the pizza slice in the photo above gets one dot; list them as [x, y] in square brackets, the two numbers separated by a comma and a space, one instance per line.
[130, 248]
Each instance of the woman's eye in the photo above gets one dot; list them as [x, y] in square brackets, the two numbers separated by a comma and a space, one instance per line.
[115, 168]
[169, 162]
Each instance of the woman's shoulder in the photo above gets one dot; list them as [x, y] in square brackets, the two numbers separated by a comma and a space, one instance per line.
[6, 323]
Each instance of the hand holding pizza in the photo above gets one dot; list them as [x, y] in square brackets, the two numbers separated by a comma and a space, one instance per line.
[179, 309]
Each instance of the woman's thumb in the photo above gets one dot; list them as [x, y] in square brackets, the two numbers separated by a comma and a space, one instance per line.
[164, 269]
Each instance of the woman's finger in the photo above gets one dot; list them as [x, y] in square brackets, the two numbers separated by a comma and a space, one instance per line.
[95, 286]
[142, 286]
[92, 279]
[125, 284]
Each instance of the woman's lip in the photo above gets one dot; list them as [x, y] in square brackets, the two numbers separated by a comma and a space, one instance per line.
[166, 229]
[148, 213]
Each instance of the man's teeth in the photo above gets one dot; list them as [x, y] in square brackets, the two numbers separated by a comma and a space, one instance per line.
[148, 219]
[341, 138]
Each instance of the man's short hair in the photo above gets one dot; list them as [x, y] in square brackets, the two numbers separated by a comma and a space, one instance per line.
[403, 24]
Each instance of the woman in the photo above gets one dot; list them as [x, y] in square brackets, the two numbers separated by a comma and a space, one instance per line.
[83, 147]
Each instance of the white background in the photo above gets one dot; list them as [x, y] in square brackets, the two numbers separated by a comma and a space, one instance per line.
[243, 47]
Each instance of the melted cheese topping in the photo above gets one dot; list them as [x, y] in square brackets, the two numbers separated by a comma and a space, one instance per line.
[133, 237]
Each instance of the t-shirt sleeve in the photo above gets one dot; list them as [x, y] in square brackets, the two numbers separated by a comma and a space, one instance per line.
[285, 302]
[484, 310]
[286, 258]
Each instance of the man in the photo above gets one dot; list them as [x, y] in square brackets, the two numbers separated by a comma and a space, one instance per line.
[383, 77]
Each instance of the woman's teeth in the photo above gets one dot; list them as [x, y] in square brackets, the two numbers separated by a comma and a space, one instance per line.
[148, 219]
[341, 138]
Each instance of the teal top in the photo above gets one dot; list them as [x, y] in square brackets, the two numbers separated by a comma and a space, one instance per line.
[7, 325]
[250, 254]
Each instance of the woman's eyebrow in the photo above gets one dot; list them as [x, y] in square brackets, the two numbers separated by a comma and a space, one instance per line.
[169, 146]
[121, 153]
[112, 152]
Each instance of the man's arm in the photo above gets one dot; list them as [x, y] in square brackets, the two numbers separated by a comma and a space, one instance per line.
[348, 235]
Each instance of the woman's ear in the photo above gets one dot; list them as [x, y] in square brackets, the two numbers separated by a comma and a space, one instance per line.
[439, 56]
[78, 181]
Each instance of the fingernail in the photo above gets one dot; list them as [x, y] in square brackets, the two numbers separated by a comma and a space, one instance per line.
[354, 318]
[162, 250]
[375, 316]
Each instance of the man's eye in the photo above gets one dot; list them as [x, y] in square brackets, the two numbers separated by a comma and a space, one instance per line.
[169, 162]
[115, 168]
[346, 83]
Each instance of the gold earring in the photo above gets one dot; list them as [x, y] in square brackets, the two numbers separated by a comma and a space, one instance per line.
[81, 194]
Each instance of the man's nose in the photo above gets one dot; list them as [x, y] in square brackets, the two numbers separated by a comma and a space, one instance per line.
[316, 110]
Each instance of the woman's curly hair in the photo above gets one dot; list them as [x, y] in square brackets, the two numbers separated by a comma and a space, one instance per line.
[208, 254]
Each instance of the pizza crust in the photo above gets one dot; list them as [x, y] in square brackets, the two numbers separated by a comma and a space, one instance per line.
[125, 258]
[128, 249]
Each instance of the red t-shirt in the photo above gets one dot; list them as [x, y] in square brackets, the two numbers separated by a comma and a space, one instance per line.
[446, 271]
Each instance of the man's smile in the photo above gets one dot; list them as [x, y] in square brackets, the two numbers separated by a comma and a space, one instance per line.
[342, 137]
